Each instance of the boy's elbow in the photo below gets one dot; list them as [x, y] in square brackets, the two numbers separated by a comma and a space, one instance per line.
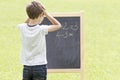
[60, 26]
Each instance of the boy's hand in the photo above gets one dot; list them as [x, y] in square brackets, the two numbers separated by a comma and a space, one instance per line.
[45, 12]
[42, 6]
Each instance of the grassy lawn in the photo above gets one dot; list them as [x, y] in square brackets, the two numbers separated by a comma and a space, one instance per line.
[101, 37]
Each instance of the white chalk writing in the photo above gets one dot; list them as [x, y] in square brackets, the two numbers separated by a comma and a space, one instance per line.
[67, 30]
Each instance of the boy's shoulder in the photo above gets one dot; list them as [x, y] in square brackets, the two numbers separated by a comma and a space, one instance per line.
[22, 24]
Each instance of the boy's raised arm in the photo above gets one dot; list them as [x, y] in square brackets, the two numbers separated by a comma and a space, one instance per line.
[55, 23]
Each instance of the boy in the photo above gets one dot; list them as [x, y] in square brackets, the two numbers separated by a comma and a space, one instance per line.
[33, 54]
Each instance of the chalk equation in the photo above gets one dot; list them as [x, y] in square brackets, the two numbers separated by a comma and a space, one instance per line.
[67, 30]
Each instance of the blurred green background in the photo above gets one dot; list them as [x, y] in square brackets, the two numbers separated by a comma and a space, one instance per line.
[101, 37]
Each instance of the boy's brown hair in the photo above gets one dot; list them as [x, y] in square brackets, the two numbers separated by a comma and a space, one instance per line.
[34, 10]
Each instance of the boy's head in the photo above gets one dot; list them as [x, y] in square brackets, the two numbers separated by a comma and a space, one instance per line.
[34, 10]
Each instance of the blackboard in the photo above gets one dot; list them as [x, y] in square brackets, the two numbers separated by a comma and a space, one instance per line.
[64, 45]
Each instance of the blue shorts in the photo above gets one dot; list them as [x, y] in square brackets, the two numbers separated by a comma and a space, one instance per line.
[38, 72]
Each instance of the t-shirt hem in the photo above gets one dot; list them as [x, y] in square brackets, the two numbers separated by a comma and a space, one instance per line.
[34, 64]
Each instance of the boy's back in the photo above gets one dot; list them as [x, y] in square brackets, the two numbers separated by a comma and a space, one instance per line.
[33, 44]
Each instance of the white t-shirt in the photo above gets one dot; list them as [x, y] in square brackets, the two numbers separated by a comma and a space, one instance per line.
[33, 44]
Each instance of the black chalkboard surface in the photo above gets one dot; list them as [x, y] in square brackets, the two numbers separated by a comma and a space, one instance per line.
[64, 45]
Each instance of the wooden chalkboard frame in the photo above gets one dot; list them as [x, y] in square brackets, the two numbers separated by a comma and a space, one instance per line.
[81, 69]
[81, 15]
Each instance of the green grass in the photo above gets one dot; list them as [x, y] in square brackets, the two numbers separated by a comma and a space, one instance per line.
[101, 37]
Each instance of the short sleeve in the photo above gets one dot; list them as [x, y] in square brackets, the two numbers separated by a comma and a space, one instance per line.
[44, 29]
[19, 26]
